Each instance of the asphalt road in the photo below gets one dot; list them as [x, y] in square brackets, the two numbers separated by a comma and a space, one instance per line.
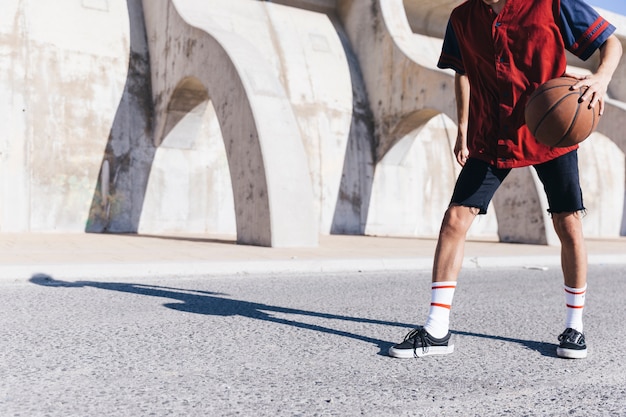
[306, 345]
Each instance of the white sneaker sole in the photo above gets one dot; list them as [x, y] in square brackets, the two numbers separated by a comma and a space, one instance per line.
[571, 353]
[419, 353]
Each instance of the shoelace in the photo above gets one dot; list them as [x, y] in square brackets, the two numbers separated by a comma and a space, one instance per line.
[416, 334]
[571, 336]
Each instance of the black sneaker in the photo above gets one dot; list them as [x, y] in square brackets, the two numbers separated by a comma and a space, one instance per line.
[572, 345]
[419, 343]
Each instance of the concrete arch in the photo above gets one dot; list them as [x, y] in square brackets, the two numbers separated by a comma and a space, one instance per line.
[303, 49]
[429, 17]
[190, 169]
[414, 180]
[186, 106]
[399, 66]
[612, 126]
[603, 179]
[272, 194]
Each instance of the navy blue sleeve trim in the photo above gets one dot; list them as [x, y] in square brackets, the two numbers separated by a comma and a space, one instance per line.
[582, 28]
[451, 52]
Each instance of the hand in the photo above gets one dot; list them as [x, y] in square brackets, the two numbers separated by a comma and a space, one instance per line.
[595, 87]
[460, 150]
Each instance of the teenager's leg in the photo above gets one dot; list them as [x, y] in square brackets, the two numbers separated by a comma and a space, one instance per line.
[475, 187]
[451, 244]
[474, 190]
[446, 267]
[561, 183]
[560, 178]
[569, 229]
[433, 338]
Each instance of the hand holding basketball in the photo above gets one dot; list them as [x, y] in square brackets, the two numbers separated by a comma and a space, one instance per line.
[595, 87]
[558, 116]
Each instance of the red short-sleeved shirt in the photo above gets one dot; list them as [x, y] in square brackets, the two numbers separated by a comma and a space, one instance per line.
[506, 56]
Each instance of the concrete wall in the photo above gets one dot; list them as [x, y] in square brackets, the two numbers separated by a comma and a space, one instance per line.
[63, 69]
[272, 121]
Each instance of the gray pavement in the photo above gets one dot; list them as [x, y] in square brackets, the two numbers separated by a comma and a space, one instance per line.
[126, 325]
[113, 256]
[305, 344]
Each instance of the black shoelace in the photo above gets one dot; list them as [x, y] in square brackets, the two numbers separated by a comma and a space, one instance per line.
[418, 335]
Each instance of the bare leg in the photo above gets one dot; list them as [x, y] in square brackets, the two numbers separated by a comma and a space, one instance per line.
[451, 244]
[569, 229]
[433, 338]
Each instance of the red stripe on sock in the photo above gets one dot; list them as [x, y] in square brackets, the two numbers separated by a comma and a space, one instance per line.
[571, 306]
[448, 306]
[575, 292]
[444, 287]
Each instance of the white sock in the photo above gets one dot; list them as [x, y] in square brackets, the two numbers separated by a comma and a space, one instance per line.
[438, 321]
[575, 302]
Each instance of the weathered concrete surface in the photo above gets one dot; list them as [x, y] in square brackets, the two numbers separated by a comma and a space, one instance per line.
[190, 187]
[272, 194]
[409, 97]
[108, 138]
[399, 68]
[118, 199]
[63, 68]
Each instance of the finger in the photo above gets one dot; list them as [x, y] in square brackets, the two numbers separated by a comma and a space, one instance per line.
[601, 112]
[583, 81]
[587, 95]
[577, 86]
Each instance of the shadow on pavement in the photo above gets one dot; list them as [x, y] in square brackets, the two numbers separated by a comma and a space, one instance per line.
[216, 304]
[545, 349]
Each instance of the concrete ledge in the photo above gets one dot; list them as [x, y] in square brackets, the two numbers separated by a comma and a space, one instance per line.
[133, 257]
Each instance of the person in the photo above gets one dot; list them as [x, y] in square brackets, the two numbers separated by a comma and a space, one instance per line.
[501, 51]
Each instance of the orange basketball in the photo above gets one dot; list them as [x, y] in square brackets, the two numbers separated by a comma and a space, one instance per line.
[555, 115]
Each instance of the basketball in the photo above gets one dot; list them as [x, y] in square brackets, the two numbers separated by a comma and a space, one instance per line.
[556, 117]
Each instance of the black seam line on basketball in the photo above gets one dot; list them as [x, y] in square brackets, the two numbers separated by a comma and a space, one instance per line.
[550, 111]
[571, 125]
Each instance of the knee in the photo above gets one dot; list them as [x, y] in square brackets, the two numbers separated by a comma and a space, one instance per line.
[568, 226]
[458, 220]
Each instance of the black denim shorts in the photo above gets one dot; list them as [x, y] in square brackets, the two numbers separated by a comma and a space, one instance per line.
[478, 182]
